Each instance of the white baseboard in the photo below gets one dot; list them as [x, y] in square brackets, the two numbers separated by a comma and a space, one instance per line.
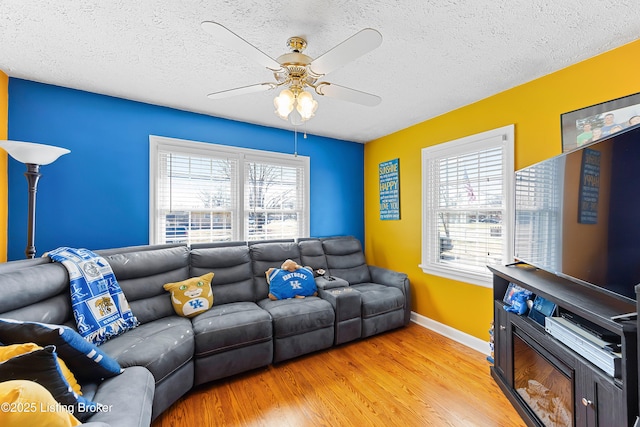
[452, 333]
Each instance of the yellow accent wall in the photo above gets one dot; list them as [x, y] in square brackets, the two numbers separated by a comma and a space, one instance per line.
[534, 108]
[4, 105]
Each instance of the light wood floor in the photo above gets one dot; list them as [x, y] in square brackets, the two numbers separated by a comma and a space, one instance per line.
[407, 377]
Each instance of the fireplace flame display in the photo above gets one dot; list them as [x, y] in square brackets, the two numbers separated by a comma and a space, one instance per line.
[551, 409]
[542, 385]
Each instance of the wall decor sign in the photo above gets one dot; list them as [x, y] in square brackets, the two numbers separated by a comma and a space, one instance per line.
[589, 187]
[389, 173]
[580, 127]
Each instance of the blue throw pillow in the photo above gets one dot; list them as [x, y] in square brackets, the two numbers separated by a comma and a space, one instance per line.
[85, 360]
[284, 284]
[42, 367]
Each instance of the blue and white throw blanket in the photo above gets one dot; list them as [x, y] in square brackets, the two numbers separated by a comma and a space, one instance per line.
[99, 305]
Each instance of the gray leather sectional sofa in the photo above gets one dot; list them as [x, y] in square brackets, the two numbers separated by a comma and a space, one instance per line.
[167, 354]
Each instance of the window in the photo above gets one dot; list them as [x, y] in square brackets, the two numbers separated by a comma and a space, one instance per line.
[467, 206]
[206, 193]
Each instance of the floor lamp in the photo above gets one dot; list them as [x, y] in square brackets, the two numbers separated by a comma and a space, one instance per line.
[33, 155]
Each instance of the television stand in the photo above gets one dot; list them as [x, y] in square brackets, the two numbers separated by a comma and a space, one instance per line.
[532, 367]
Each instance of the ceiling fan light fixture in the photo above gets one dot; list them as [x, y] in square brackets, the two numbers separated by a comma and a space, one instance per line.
[284, 103]
[306, 105]
[303, 101]
[295, 118]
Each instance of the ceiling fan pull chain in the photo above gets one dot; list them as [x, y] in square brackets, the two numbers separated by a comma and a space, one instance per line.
[295, 141]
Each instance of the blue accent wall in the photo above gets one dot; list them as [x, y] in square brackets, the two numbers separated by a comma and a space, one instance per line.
[98, 195]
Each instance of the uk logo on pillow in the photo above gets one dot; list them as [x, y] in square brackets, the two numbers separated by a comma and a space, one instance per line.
[192, 296]
[285, 284]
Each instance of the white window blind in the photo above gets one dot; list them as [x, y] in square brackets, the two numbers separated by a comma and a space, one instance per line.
[196, 197]
[538, 226]
[274, 200]
[466, 206]
[206, 193]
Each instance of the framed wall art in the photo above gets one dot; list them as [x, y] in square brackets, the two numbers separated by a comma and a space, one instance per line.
[389, 176]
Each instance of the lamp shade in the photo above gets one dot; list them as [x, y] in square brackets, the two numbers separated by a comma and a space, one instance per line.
[306, 105]
[30, 152]
[284, 103]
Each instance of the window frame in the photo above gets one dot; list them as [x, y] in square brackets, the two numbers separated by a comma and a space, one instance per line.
[501, 137]
[242, 156]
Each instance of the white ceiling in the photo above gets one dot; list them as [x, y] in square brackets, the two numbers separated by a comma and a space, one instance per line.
[435, 56]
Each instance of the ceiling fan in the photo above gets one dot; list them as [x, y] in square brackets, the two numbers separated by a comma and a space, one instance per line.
[296, 71]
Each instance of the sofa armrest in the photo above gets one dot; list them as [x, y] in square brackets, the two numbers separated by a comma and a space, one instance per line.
[345, 301]
[126, 399]
[324, 284]
[387, 277]
[384, 276]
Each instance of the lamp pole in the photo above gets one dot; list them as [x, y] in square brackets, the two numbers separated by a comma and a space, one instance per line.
[33, 155]
[33, 175]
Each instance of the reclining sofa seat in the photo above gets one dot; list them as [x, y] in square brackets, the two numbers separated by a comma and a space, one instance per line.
[300, 326]
[235, 335]
[164, 342]
[384, 293]
[37, 290]
[345, 301]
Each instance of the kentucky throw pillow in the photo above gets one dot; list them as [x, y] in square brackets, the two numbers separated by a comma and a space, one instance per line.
[284, 284]
[192, 296]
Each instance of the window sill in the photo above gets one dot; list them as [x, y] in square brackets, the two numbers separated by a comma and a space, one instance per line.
[477, 279]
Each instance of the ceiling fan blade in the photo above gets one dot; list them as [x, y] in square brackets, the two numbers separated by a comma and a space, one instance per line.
[346, 94]
[236, 42]
[354, 47]
[260, 87]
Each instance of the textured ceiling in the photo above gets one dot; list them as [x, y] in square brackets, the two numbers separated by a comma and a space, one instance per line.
[435, 56]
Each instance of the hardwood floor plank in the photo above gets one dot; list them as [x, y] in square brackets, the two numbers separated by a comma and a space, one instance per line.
[408, 377]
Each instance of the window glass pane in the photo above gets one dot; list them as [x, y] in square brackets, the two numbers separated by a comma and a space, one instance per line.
[473, 238]
[469, 210]
[274, 201]
[196, 197]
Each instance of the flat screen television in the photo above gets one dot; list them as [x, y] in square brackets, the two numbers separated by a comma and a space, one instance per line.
[578, 214]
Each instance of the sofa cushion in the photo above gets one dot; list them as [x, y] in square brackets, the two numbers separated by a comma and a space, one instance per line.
[233, 279]
[192, 296]
[345, 259]
[162, 346]
[312, 254]
[42, 366]
[25, 395]
[230, 326]
[142, 273]
[35, 289]
[378, 299]
[266, 255]
[297, 316]
[87, 361]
